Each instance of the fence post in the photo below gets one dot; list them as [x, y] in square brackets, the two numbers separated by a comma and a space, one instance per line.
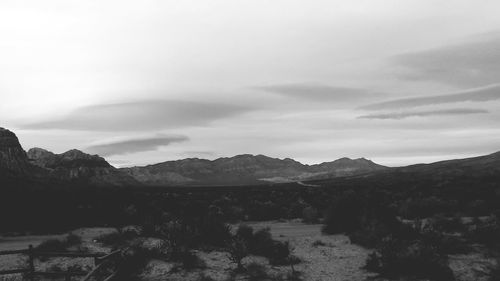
[31, 263]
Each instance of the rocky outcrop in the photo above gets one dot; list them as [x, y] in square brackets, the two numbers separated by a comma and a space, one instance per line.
[75, 165]
[12, 156]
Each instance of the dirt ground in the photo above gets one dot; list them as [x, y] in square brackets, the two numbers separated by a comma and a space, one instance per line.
[338, 259]
[335, 259]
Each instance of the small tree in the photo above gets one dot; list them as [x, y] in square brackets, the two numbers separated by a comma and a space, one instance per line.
[310, 215]
[238, 250]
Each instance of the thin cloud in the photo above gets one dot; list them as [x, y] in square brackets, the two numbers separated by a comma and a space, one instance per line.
[134, 145]
[471, 64]
[444, 112]
[142, 116]
[317, 92]
[482, 94]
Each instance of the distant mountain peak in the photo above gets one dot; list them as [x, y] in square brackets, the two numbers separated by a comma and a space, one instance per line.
[77, 165]
[12, 156]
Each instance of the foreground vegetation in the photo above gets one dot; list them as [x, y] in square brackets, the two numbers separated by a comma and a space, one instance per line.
[413, 221]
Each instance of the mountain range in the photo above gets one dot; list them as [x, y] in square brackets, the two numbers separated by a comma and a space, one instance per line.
[246, 169]
[75, 166]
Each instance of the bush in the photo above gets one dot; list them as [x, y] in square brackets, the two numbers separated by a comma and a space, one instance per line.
[204, 277]
[257, 272]
[310, 215]
[279, 253]
[132, 263]
[52, 245]
[60, 245]
[318, 243]
[343, 215]
[238, 250]
[449, 225]
[117, 238]
[400, 258]
[495, 273]
[245, 232]
[73, 239]
[260, 243]
[190, 260]
[486, 233]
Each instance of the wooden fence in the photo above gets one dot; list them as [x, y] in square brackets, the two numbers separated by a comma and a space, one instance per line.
[30, 271]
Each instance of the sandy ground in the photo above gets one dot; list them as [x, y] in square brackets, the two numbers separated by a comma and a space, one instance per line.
[337, 260]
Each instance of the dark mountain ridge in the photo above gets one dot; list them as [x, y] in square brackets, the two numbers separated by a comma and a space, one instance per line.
[245, 169]
[13, 158]
[75, 165]
[472, 174]
[41, 165]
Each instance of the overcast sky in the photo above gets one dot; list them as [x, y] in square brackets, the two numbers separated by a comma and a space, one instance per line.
[141, 82]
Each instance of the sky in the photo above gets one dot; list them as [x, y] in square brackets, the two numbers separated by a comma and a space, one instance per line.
[140, 82]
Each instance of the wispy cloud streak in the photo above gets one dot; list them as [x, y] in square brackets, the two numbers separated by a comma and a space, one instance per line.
[444, 112]
[142, 116]
[472, 63]
[317, 92]
[134, 145]
[482, 94]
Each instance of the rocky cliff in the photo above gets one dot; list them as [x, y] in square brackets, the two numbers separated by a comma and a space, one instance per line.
[75, 165]
[13, 158]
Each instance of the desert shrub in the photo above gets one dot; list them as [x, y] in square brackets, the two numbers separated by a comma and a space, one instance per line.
[495, 273]
[214, 233]
[73, 239]
[11, 278]
[256, 271]
[477, 208]
[485, 232]
[245, 232]
[261, 242]
[445, 243]
[450, 225]
[292, 259]
[238, 250]
[52, 245]
[318, 243]
[343, 215]
[424, 207]
[204, 277]
[190, 260]
[403, 258]
[132, 263]
[373, 262]
[279, 253]
[310, 215]
[117, 238]
[294, 276]
[60, 245]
